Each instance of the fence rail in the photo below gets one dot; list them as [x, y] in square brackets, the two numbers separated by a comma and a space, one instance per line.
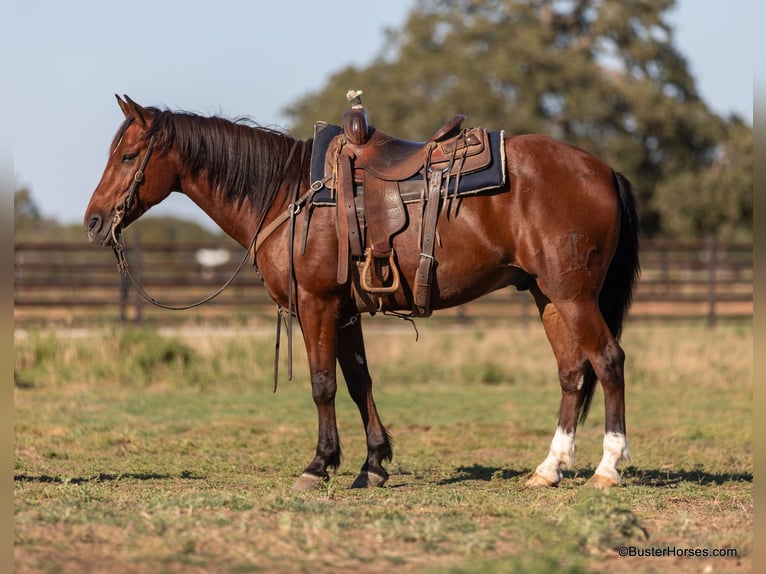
[77, 283]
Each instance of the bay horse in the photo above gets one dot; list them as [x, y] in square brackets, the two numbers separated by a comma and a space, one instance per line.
[563, 227]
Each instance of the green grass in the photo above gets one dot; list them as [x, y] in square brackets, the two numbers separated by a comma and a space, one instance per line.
[142, 452]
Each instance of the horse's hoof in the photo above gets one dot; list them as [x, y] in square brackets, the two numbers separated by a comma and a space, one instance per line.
[367, 479]
[537, 480]
[601, 482]
[307, 482]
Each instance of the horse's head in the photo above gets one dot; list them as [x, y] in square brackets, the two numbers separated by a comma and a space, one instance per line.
[137, 176]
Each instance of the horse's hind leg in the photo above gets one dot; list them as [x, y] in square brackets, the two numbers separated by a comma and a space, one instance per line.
[353, 362]
[572, 364]
[588, 328]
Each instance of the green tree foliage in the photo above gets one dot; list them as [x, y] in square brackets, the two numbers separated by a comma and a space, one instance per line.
[163, 228]
[601, 74]
[718, 198]
[28, 222]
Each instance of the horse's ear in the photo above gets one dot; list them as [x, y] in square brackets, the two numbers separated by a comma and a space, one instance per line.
[132, 109]
[123, 106]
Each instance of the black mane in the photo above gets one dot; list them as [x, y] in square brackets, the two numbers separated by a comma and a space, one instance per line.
[241, 159]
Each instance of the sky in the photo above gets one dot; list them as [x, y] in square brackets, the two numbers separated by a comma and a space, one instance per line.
[66, 60]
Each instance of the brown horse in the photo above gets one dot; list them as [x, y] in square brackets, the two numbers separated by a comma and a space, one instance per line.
[564, 227]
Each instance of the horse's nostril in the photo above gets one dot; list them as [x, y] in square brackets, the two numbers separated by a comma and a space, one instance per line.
[94, 224]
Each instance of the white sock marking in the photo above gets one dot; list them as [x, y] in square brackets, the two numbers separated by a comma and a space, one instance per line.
[560, 455]
[615, 452]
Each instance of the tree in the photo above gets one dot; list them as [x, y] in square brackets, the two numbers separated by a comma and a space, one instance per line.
[718, 199]
[601, 74]
[28, 222]
[24, 207]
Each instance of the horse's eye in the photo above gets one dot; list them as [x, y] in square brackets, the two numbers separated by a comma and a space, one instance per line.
[129, 157]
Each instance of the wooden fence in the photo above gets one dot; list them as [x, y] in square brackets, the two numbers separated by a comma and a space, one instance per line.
[78, 284]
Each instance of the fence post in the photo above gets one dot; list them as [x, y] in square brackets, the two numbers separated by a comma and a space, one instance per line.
[132, 250]
[124, 291]
[526, 305]
[664, 268]
[139, 301]
[710, 260]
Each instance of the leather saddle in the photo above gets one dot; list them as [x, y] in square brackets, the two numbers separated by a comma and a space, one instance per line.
[369, 170]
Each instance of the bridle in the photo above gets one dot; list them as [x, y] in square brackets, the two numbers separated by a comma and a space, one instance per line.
[127, 204]
[259, 236]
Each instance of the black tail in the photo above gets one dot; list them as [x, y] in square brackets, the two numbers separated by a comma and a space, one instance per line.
[617, 292]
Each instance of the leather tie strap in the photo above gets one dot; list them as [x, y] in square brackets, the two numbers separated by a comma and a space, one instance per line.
[422, 292]
[350, 242]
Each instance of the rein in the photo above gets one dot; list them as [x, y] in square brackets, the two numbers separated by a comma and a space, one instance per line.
[258, 238]
[260, 235]
[125, 270]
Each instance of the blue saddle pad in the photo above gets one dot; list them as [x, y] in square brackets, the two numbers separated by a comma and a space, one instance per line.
[492, 177]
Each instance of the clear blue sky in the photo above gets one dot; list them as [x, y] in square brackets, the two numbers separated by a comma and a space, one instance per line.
[67, 59]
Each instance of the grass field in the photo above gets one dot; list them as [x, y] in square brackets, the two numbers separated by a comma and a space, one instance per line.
[147, 452]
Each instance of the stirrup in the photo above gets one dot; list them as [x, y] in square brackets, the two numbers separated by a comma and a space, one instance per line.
[392, 264]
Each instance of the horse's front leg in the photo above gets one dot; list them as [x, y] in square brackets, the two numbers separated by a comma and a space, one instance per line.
[319, 322]
[353, 362]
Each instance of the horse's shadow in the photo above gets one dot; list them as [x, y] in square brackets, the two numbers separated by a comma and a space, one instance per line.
[485, 473]
[103, 477]
[630, 476]
[672, 478]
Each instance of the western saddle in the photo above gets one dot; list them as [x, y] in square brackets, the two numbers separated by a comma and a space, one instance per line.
[367, 170]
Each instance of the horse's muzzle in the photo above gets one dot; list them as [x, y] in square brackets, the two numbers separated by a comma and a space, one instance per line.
[98, 230]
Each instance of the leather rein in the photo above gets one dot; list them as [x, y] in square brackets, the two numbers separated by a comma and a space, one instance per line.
[260, 235]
